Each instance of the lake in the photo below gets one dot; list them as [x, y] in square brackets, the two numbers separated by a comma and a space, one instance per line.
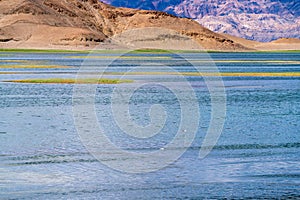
[45, 147]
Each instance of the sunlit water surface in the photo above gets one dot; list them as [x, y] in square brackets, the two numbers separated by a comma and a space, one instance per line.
[257, 155]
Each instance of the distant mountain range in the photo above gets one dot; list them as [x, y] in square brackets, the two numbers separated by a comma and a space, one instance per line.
[85, 24]
[261, 20]
[90, 23]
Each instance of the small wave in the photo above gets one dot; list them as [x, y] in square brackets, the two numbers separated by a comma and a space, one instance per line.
[87, 158]
[276, 176]
[53, 162]
[255, 146]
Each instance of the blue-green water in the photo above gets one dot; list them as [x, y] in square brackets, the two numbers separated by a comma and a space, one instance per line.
[257, 155]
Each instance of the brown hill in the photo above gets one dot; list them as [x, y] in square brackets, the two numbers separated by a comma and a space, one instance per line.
[287, 41]
[261, 20]
[280, 44]
[75, 24]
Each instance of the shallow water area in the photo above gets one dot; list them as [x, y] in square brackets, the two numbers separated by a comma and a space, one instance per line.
[257, 155]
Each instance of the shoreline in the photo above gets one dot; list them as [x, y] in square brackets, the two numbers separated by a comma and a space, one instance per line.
[45, 50]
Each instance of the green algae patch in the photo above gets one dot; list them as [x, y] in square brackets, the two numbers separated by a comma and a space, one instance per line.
[41, 51]
[245, 74]
[13, 61]
[123, 57]
[72, 81]
[281, 62]
[279, 51]
[223, 74]
[138, 51]
[33, 67]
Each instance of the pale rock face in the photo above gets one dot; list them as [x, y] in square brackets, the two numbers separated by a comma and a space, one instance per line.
[262, 20]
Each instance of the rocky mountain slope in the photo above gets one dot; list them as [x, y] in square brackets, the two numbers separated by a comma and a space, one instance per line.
[87, 23]
[261, 20]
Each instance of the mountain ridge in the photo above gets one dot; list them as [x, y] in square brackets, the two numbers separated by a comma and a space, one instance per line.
[71, 23]
[86, 24]
[261, 20]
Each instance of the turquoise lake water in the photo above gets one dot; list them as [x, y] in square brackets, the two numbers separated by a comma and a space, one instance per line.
[42, 156]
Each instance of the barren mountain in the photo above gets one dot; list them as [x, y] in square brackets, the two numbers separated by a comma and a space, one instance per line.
[87, 23]
[261, 20]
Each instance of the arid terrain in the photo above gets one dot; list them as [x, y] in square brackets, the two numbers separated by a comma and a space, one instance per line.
[86, 24]
[260, 20]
